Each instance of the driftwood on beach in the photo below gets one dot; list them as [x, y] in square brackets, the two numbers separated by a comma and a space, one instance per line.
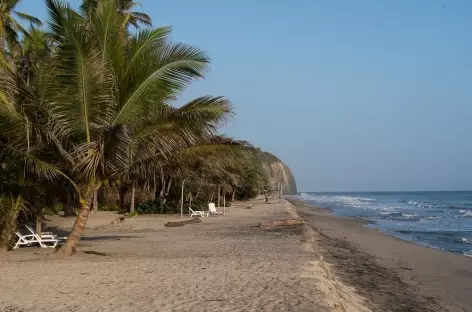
[182, 222]
[281, 223]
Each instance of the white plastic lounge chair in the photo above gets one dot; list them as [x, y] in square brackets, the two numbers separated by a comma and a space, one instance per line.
[198, 213]
[28, 240]
[212, 210]
[24, 240]
[45, 235]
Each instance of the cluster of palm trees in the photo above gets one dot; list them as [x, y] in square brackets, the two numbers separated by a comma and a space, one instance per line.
[88, 104]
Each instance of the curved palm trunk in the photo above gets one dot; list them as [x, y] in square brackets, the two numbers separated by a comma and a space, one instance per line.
[8, 230]
[8, 222]
[70, 246]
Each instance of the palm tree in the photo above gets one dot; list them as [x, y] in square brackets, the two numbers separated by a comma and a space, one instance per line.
[109, 99]
[26, 161]
[35, 51]
[124, 7]
[103, 113]
[10, 26]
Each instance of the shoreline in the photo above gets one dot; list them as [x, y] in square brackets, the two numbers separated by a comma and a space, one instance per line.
[392, 274]
[231, 263]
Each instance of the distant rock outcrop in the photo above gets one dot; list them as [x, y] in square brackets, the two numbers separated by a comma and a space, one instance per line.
[278, 171]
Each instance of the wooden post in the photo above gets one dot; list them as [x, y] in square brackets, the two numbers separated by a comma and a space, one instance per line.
[219, 195]
[182, 200]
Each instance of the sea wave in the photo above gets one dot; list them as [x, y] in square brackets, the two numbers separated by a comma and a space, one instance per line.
[400, 216]
[465, 213]
[356, 201]
[430, 218]
[420, 204]
[439, 220]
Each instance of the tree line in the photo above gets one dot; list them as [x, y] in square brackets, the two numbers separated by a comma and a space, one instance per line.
[88, 119]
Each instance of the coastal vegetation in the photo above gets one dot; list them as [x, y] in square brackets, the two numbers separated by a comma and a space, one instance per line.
[91, 119]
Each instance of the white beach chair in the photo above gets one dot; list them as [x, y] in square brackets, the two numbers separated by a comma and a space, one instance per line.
[28, 240]
[24, 240]
[198, 213]
[45, 235]
[212, 210]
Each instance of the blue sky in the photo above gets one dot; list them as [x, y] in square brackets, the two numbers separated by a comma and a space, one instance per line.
[352, 95]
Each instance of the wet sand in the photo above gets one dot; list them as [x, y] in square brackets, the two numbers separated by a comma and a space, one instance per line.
[393, 275]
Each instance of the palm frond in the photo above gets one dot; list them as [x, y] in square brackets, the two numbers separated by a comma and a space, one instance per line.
[84, 86]
[138, 17]
[29, 18]
[155, 76]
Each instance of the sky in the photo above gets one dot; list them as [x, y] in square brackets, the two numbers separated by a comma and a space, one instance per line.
[351, 95]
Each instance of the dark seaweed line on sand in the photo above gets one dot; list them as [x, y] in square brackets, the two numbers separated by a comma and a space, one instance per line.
[382, 287]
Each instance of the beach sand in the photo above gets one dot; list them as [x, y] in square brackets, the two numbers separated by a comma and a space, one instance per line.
[230, 263]
[225, 263]
[393, 275]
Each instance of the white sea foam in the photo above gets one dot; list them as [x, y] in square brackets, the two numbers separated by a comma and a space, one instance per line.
[358, 202]
[419, 204]
[430, 218]
[465, 213]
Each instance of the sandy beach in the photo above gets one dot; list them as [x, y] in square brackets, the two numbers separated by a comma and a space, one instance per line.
[231, 263]
[394, 275]
[225, 263]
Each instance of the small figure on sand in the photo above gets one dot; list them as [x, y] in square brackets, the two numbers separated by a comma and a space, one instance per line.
[267, 194]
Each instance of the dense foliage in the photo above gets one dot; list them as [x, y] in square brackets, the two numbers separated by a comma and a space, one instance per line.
[88, 120]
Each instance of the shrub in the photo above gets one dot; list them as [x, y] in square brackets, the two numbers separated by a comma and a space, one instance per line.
[110, 207]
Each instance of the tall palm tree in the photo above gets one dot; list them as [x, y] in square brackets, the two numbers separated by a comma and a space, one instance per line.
[104, 103]
[109, 99]
[10, 26]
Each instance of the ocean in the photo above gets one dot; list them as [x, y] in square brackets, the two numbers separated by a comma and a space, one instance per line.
[435, 219]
